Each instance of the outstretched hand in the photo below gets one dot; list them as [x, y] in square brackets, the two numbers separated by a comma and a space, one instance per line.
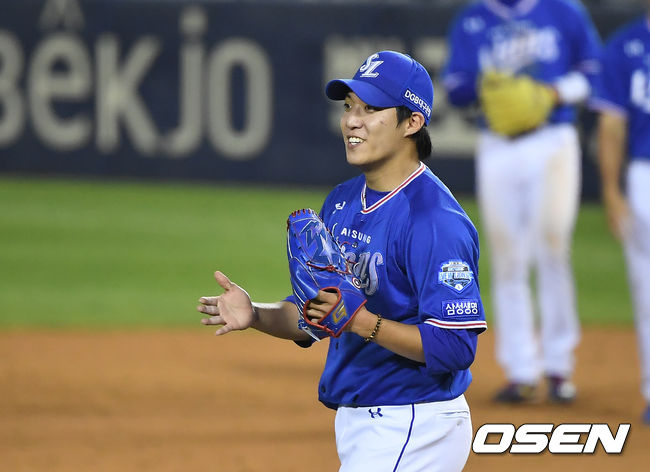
[233, 309]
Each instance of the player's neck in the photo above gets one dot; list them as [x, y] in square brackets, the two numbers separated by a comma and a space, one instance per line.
[391, 173]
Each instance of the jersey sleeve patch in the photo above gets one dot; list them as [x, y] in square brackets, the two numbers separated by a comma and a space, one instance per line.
[456, 275]
[460, 313]
[461, 308]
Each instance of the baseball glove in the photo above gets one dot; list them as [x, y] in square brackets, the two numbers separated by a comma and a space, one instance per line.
[317, 262]
[514, 104]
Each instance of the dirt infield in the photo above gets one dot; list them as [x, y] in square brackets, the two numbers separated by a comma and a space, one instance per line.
[187, 401]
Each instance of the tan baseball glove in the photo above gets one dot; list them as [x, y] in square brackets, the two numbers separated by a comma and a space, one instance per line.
[514, 104]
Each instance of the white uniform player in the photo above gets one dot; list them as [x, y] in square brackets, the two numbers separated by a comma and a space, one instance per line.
[529, 185]
[623, 98]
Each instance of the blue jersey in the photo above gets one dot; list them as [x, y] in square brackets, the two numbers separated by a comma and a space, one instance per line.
[416, 253]
[544, 39]
[624, 85]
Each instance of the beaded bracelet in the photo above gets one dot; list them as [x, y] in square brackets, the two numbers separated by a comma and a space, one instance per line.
[374, 331]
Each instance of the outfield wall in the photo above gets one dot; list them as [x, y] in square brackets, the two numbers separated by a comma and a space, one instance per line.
[210, 90]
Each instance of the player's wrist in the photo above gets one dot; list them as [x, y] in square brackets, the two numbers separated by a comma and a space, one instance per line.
[363, 323]
[256, 316]
[375, 330]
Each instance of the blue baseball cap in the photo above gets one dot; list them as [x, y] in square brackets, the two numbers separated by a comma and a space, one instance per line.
[388, 79]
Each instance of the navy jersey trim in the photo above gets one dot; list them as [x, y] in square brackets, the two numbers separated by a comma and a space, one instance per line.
[394, 192]
[479, 324]
[408, 437]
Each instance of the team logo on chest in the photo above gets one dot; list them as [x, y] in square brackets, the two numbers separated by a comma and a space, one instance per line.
[364, 264]
[518, 45]
[456, 275]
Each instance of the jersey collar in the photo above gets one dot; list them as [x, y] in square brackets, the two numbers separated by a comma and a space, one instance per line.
[391, 194]
[520, 8]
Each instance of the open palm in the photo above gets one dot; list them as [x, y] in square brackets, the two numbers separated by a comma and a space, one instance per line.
[233, 309]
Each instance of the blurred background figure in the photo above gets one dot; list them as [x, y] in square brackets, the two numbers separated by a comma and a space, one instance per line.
[623, 99]
[528, 63]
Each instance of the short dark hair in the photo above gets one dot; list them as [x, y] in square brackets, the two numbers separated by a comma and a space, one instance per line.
[421, 138]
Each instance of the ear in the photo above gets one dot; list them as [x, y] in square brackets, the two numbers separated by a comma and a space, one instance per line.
[414, 124]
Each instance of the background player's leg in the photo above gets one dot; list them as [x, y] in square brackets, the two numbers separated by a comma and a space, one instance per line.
[637, 252]
[558, 202]
[504, 201]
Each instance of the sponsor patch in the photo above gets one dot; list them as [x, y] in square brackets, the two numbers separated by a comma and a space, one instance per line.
[419, 102]
[456, 275]
[460, 307]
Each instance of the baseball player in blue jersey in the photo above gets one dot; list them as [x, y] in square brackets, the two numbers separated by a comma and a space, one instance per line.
[398, 372]
[527, 63]
[623, 99]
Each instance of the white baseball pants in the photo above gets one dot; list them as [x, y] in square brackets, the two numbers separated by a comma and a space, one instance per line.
[637, 252]
[528, 190]
[421, 437]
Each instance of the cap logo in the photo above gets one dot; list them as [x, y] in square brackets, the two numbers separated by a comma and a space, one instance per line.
[368, 68]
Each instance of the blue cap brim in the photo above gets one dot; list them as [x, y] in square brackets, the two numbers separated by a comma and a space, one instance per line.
[337, 89]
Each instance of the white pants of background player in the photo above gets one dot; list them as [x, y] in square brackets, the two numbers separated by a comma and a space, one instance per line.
[422, 437]
[637, 252]
[528, 191]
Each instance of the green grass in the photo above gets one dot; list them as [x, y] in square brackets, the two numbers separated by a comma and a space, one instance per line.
[105, 254]
[601, 277]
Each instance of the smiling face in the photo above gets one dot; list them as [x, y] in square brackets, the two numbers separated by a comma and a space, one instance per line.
[372, 136]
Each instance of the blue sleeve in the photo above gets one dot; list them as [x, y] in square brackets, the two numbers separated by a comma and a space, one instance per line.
[442, 258]
[461, 70]
[442, 262]
[462, 95]
[587, 45]
[447, 350]
[613, 85]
